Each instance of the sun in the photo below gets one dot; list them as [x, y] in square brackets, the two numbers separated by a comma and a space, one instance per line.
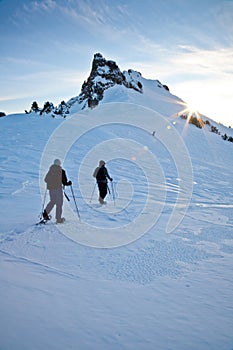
[191, 108]
[190, 111]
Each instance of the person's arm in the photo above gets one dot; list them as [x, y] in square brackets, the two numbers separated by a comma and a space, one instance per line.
[65, 182]
[107, 174]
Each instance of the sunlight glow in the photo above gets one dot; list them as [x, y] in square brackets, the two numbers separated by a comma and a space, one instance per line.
[190, 112]
[192, 108]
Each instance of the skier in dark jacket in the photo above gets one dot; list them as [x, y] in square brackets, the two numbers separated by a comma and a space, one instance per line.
[55, 179]
[102, 176]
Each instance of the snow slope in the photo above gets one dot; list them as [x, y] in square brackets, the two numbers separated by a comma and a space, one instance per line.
[153, 95]
[156, 290]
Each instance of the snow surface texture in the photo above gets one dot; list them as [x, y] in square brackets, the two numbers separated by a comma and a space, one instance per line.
[154, 290]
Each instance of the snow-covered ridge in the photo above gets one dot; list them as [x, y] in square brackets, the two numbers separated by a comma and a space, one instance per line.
[106, 83]
[105, 74]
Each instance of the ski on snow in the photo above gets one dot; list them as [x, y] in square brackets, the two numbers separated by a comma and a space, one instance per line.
[43, 221]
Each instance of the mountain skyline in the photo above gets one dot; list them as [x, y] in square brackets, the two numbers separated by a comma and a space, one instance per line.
[47, 47]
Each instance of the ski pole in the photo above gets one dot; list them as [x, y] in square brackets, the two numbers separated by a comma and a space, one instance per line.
[66, 196]
[75, 201]
[92, 193]
[43, 204]
[113, 194]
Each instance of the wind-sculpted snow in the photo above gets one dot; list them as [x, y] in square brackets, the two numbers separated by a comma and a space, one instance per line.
[173, 258]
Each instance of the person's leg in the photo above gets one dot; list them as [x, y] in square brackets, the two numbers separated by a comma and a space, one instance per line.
[52, 202]
[102, 191]
[99, 187]
[59, 203]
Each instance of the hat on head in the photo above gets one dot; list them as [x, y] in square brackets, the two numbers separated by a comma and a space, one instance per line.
[101, 162]
[57, 162]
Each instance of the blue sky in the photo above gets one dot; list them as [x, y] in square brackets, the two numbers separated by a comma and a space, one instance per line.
[47, 48]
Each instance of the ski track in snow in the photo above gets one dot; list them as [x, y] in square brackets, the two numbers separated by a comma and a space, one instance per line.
[150, 258]
[158, 257]
[155, 256]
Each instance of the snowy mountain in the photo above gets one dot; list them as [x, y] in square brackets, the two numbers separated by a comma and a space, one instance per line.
[106, 83]
[105, 78]
[104, 75]
[150, 270]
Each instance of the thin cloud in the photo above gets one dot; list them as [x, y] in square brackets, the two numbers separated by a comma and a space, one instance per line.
[58, 80]
[44, 5]
[189, 60]
[57, 76]
[147, 45]
[22, 61]
[223, 16]
[205, 62]
[99, 18]
[24, 14]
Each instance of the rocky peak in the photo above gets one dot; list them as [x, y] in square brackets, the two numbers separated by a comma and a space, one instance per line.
[104, 74]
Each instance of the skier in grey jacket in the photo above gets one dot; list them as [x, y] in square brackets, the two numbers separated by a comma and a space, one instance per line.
[55, 179]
